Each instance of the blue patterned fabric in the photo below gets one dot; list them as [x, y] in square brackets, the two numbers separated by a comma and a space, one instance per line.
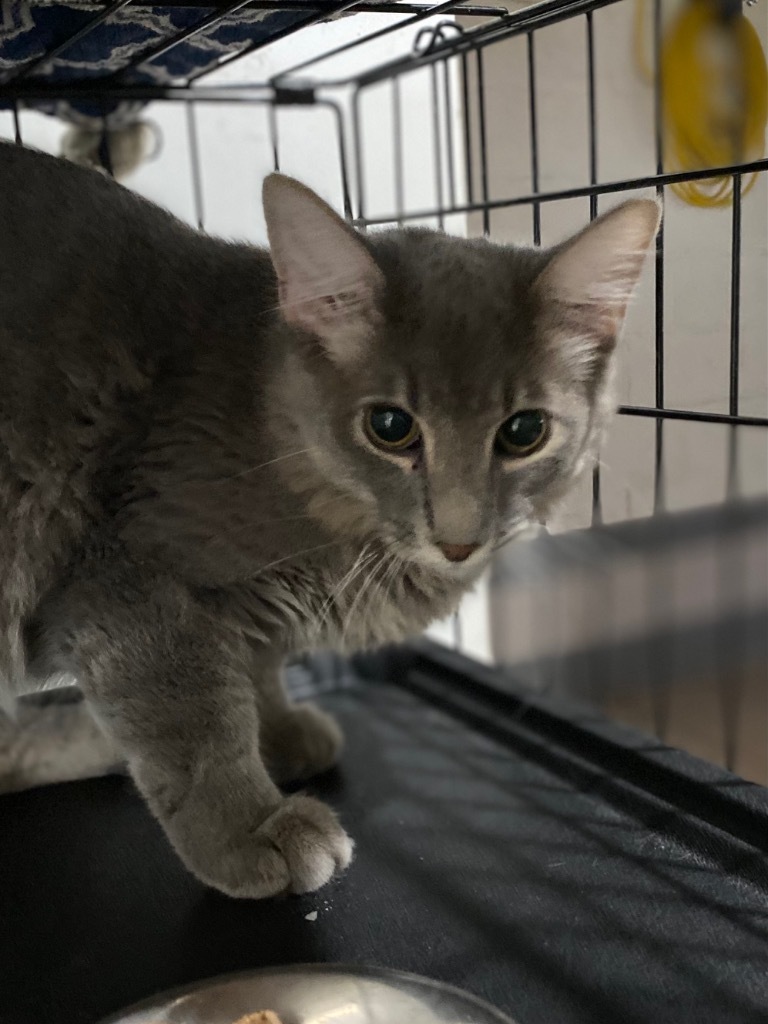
[28, 29]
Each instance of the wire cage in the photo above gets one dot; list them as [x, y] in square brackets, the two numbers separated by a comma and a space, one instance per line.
[480, 120]
[647, 600]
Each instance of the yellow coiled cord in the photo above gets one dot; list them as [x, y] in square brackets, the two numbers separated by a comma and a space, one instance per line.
[715, 95]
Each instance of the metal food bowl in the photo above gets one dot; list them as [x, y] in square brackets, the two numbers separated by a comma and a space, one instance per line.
[316, 994]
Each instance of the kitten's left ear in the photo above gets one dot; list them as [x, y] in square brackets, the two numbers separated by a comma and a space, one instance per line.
[327, 279]
[587, 285]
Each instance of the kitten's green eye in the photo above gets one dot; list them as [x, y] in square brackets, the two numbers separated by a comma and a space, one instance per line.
[390, 428]
[524, 433]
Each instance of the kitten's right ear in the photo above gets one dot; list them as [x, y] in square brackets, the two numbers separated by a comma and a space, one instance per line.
[328, 281]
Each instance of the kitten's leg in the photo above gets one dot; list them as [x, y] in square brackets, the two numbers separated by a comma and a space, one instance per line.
[298, 741]
[52, 737]
[175, 694]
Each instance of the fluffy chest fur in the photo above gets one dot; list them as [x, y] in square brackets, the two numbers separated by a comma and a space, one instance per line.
[346, 604]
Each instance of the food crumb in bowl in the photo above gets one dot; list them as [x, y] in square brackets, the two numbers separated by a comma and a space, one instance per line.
[262, 1017]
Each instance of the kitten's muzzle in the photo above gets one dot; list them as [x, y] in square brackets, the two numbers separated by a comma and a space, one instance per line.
[458, 552]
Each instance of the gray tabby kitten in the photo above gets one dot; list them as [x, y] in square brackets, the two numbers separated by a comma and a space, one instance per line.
[212, 458]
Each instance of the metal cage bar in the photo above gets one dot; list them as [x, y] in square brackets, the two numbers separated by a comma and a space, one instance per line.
[462, 185]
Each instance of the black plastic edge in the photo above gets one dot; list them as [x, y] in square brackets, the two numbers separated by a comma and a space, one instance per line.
[491, 701]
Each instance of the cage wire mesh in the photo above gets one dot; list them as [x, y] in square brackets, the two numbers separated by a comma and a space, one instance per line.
[649, 601]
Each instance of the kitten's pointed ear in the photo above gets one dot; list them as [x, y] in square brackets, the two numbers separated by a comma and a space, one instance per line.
[328, 281]
[587, 285]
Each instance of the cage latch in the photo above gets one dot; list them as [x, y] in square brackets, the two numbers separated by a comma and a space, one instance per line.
[431, 37]
[295, 93]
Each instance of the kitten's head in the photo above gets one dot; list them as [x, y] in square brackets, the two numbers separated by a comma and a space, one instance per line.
[451, 389]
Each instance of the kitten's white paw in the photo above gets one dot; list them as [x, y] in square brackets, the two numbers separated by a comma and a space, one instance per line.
[303, 743]
[314, 845]
[299, 848]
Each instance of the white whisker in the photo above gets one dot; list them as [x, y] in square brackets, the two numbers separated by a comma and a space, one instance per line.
[296, 554]
[299, 517]
[386, 578]
[270, 462]
[377, 579]
[359, 596]
[349, 577]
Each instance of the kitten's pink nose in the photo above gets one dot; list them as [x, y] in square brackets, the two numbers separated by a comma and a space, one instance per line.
[458, 552]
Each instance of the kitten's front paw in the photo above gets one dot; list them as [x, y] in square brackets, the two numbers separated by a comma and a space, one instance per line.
[299, 848]
[303, 743]
[312, 842]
